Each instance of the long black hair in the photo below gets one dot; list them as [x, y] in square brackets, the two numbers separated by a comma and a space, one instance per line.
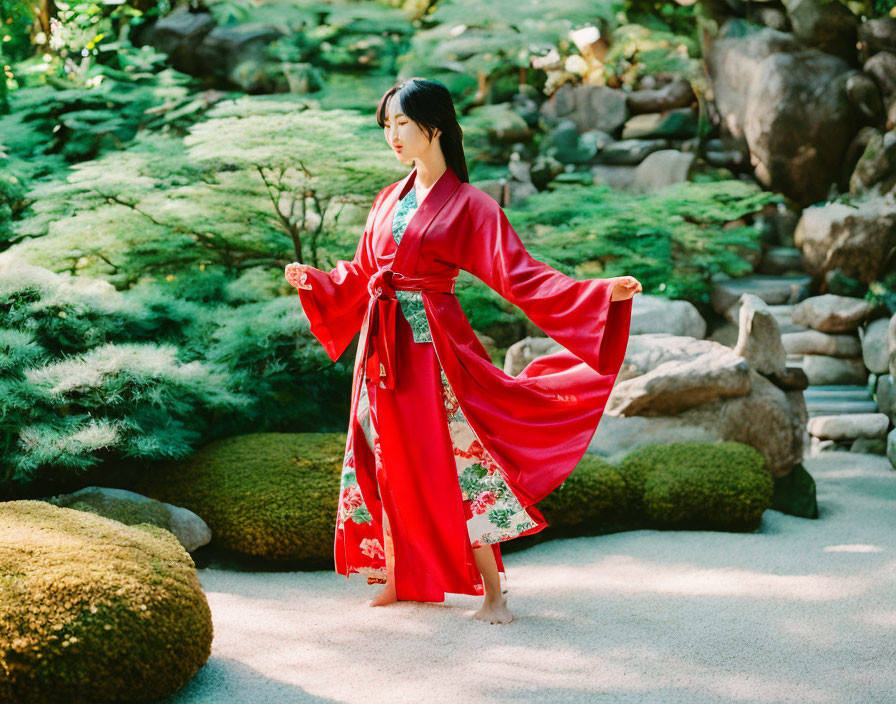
[429, 104]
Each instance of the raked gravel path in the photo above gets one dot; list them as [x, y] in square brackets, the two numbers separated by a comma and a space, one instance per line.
[800, 611]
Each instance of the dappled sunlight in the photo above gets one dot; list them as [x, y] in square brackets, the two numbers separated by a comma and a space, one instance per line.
[853, 548]
[625, 574]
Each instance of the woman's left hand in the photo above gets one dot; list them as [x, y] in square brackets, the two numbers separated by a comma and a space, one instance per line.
[625, 288]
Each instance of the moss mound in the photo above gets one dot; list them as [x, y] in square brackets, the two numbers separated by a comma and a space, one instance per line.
[717, 486]
[592, 498]
[92, 610]
[270, 495]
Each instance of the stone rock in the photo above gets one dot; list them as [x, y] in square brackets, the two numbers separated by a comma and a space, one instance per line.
[774, 290]
[674, 94]
[781, 260]
[891, 345]
[784, 315]
[675, 386]
[657, 314]
[881, 68]
[729, 159]
[649, 350]
[765, 83]
[678, 123]
[874, 345]
[619, 178]
[519, 354]
[759, 341]
[564, 144]
[772, 17]
[877, 35]
[794, 493]
[662, 168]
[849, 427]
[725, 334]
[885, 394]
[771, 420]
[598, 138]
[131, 508]
[793, 378]
[629, 152]
[178, 35]
[857, 239]
[832, 313]
[891, 447]
[828, 26]
[222, 49]
[496, 188]
[875, 172]
[589, 107]
[865, 95]
[823, 370]
[815, 342]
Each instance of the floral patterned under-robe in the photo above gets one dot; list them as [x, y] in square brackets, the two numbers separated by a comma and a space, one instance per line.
[493, 512]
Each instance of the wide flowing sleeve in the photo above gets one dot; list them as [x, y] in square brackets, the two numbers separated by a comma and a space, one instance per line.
[337, 300]
[578, 314]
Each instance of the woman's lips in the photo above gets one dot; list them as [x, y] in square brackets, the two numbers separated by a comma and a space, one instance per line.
[398, 149]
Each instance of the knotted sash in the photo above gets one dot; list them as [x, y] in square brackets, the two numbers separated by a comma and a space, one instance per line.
[382, 315]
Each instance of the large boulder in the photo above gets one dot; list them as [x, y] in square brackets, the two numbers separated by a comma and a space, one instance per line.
[748, 408]
[828, 26]
[832, 313]
[131, 508]
[677, 385]
[858, 239]
[650, 314]
[589, 107]
[94, 610]
[788, 103]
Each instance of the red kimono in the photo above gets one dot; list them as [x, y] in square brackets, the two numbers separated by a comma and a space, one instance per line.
[432, 422]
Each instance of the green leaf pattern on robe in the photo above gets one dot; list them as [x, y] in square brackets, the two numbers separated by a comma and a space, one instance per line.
[411, 302]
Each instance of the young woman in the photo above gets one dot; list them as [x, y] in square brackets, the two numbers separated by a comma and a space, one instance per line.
[446, 454]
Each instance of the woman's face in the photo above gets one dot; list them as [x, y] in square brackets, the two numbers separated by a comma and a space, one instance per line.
[407, 141]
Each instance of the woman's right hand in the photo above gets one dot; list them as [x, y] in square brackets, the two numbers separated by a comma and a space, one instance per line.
[297, 275]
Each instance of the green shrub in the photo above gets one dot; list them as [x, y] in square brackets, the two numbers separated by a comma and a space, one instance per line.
[90, 375]
[271, 495]
[592, 497]
[719, 486]
[93, 610]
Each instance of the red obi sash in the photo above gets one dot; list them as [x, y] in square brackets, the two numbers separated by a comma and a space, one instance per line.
[379, 351]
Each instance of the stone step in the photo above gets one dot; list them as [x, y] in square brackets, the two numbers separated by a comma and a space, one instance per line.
[840, 408]
[836, 391]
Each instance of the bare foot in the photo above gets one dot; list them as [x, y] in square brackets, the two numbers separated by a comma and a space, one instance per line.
[386, 596]
[494, 611]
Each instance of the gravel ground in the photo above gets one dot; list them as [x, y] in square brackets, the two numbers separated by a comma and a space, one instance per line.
[799, 611]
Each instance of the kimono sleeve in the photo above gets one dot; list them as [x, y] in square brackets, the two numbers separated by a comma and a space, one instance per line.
[579, 315]
[337, 301]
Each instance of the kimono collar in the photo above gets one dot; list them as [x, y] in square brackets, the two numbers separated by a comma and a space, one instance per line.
[409, 248]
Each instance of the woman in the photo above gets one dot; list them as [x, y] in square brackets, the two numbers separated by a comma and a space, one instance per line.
[446, 454]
